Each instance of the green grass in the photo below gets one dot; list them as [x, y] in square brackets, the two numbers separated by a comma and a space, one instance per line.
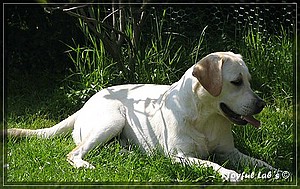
[46, 164]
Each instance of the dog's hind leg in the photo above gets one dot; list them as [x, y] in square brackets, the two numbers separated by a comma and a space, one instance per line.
[98, 130]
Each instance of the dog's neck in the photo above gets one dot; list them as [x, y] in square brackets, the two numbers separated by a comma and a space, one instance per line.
[194, 99]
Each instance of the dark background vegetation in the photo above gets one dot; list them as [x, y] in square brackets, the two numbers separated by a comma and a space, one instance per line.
[36, 41]
[33, 37]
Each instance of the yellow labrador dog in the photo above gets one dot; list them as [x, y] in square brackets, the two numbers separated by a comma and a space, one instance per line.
[188, 120]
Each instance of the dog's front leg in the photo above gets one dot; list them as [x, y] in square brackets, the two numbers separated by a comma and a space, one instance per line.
[240, 160]
[227, 174]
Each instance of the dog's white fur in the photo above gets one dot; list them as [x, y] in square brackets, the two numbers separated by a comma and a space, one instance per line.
[183, 120]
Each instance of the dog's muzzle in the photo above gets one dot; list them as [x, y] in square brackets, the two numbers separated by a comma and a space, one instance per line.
[243, 119]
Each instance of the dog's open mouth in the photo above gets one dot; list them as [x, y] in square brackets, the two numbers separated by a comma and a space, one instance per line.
[239, 119]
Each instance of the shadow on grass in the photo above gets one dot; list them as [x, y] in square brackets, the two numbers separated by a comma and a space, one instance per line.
[36, 94]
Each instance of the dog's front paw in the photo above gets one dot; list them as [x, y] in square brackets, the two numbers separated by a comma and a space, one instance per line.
[78, 162]
[230, 175]
[83, 164]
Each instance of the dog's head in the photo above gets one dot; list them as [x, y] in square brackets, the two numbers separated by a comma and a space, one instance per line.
[225, 77]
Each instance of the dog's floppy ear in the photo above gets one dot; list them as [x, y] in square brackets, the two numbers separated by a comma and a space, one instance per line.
[208, 71]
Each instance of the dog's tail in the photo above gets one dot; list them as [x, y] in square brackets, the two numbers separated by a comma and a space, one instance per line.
[57, 129]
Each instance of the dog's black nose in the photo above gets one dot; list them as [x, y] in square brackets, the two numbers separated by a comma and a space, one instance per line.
[260, 104]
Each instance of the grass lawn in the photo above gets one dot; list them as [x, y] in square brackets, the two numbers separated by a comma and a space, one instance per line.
[32, 103]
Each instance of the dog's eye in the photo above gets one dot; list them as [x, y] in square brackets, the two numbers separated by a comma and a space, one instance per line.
[238, 82]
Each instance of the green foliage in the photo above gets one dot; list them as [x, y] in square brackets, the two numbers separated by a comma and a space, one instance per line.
[93, 71]
[270, 61]
[160, 58]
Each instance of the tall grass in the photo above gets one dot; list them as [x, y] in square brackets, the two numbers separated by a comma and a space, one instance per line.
[270, 61]
[161, 58]
[92, 71]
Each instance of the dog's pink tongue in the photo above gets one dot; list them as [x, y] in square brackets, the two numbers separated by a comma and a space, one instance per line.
[252, 121]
